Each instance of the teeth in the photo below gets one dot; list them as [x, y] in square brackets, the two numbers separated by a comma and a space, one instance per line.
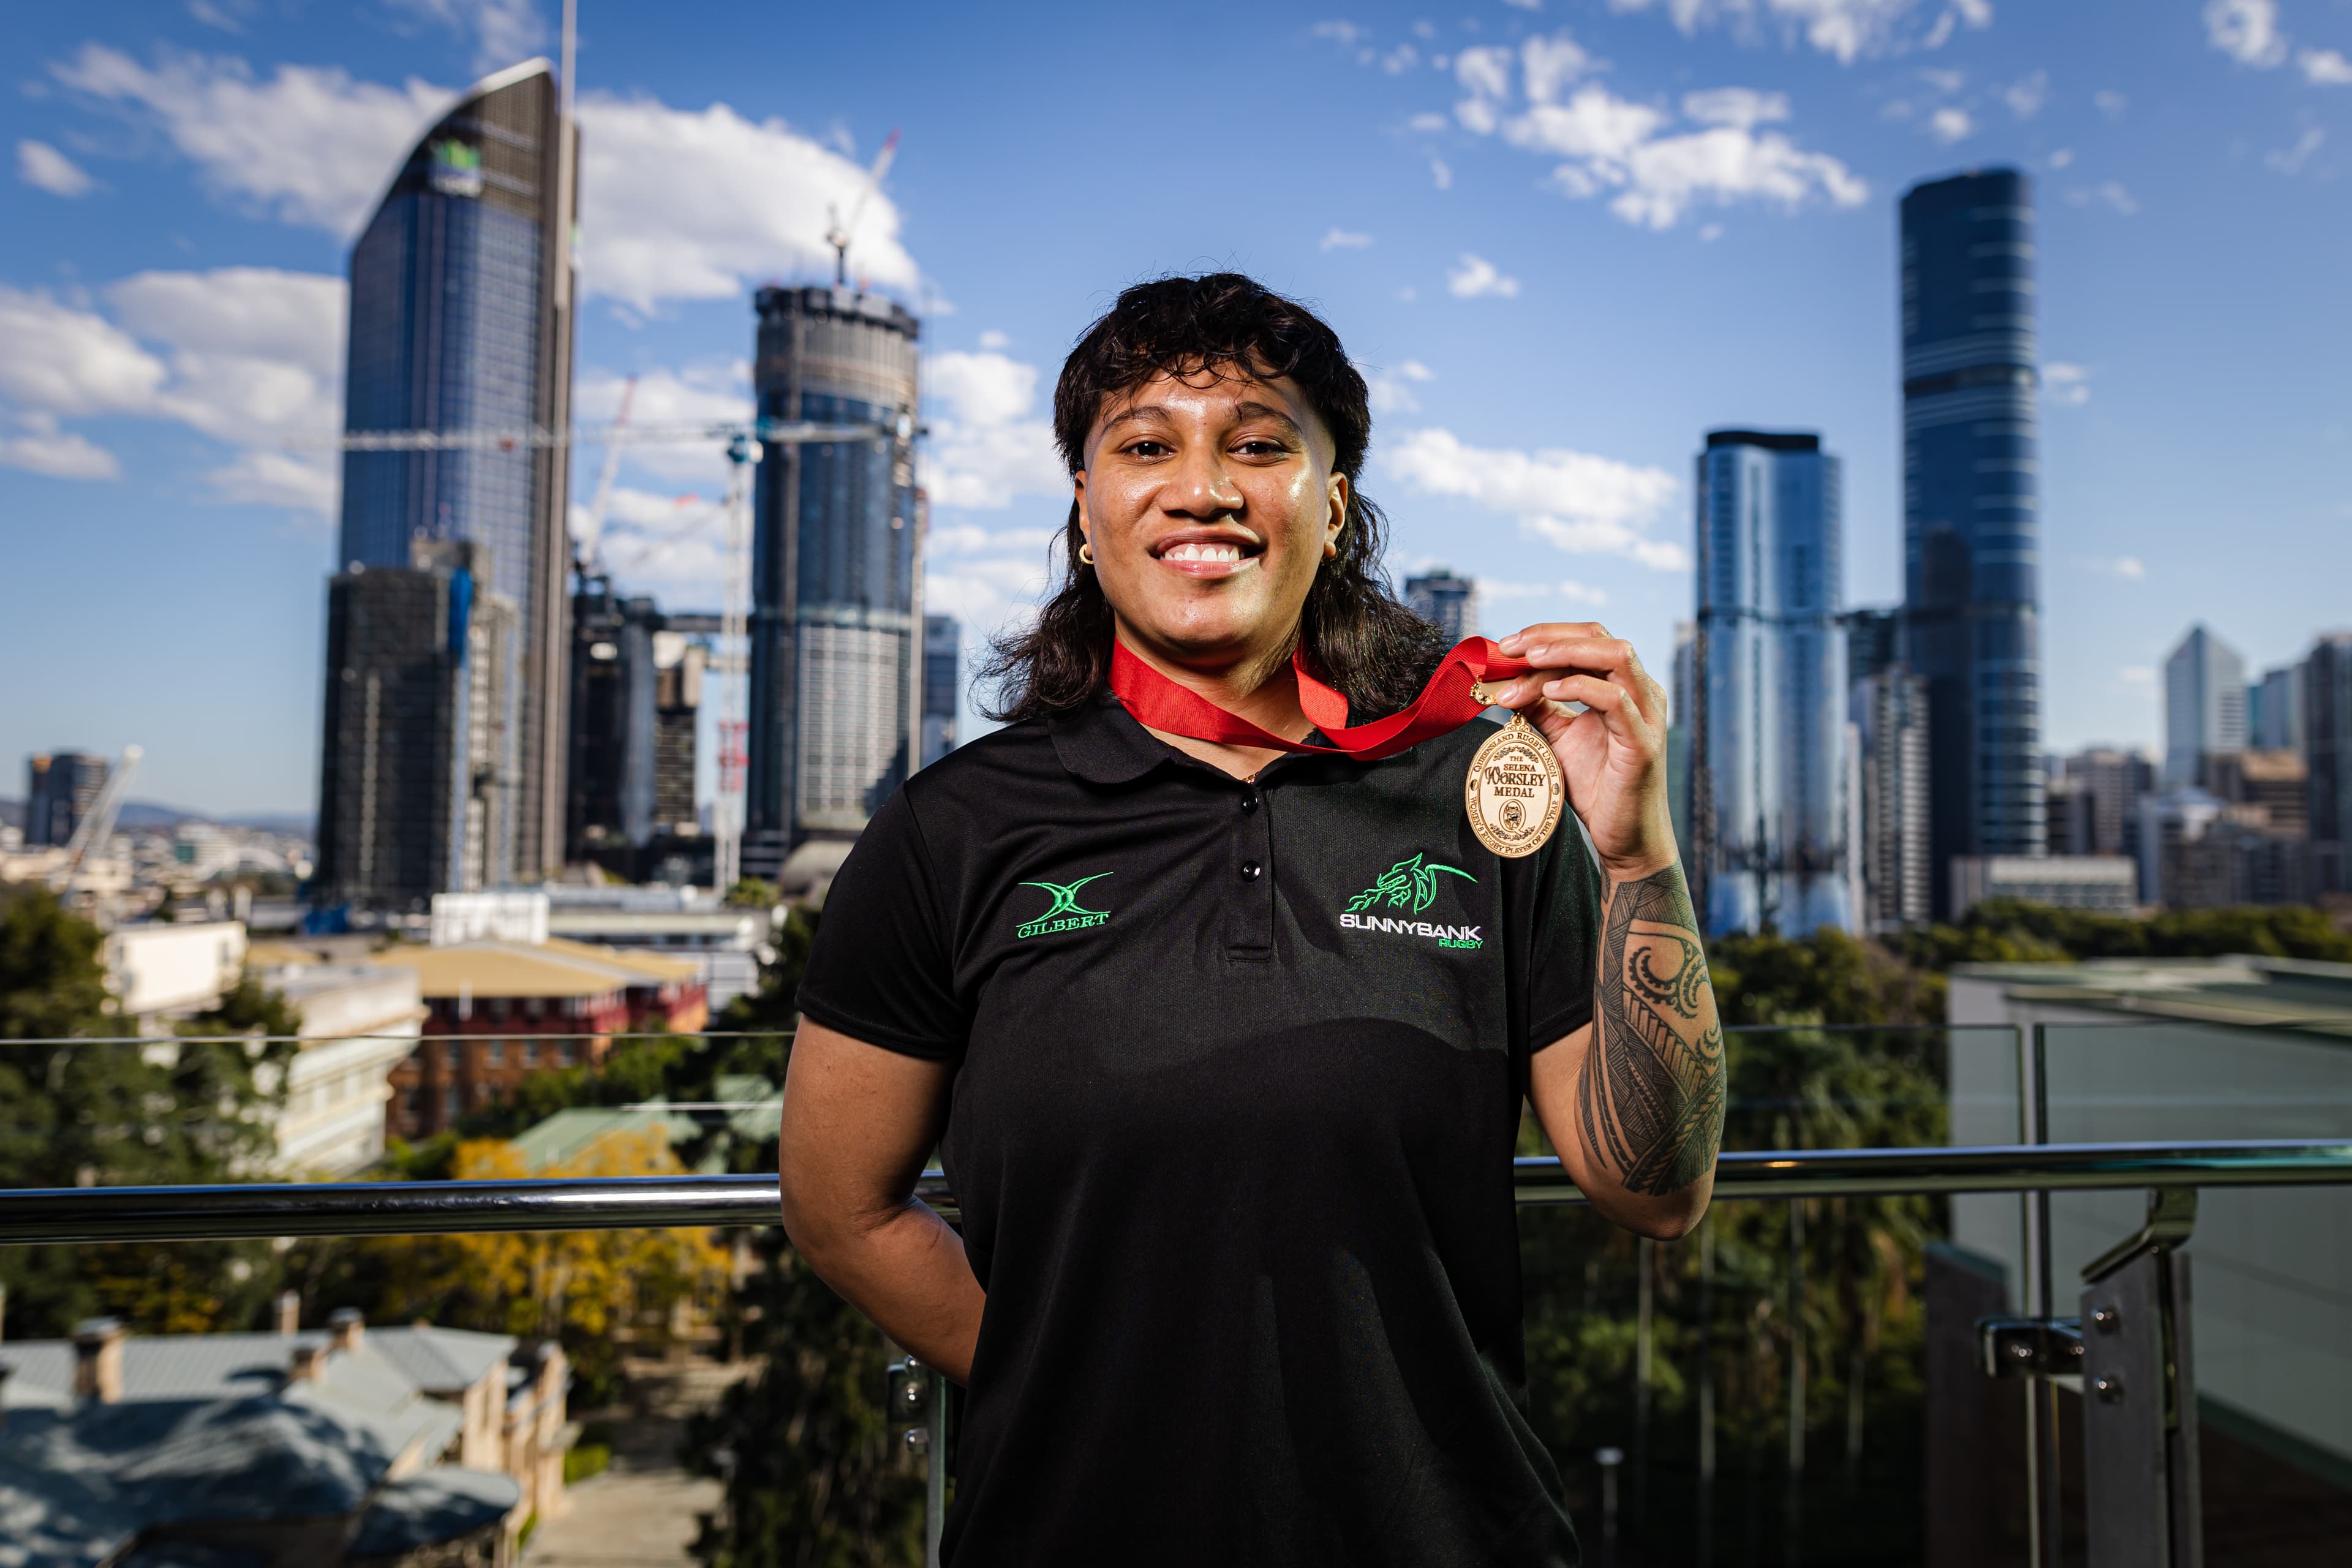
[1197, 550]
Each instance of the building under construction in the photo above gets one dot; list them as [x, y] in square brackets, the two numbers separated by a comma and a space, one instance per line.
[836, 623]
[636, 698]
[417, 790]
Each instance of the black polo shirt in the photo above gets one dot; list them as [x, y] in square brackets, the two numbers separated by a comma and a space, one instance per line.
[1241, 1067]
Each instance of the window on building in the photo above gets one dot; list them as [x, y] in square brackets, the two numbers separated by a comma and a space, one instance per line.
[530, 1053]
[449, 1104]
[497, 1006]
[533, 1006]
[568, 1052]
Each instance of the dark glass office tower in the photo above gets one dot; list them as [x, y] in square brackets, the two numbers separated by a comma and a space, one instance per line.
[461, 319]
[836, 536]
[1971, 525]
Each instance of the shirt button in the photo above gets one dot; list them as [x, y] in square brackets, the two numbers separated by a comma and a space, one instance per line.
[1250, 869]
[1249, 800]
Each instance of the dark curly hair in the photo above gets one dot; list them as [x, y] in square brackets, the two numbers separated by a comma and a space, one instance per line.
[1357, 636]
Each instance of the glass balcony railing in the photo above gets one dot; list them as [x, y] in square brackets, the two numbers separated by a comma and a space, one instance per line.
[1802, 1380]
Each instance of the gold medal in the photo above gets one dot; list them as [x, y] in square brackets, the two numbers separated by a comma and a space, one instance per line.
[1515, 790]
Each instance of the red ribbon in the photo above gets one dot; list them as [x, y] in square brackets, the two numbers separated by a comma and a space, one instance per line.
[1445, 704]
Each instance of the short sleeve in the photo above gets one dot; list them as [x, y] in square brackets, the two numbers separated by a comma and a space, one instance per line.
[1564, 939]
[879, 970]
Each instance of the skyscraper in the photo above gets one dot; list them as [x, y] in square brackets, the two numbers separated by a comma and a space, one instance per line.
[461, 319]
[2204, 706]
[1770, 772]
[1887, 704]
[635, 700]
[2275, 717]
[60, 789]
[2327, 745]
[942, 685]
[1449, 603]
[1970, 510]
[417, 763]
[835, 540]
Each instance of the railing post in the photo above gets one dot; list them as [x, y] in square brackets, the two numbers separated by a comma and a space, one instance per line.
[2139, 1397]
[2044, 1520]
[919, 1408]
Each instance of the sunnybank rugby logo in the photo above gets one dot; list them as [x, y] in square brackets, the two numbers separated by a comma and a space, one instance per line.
[1411, 884]
[1066, 914]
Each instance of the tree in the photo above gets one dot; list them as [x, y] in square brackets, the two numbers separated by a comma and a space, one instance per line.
[816, 1475]
[81, 1110]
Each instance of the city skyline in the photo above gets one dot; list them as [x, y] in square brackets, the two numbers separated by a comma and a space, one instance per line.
[1614, 233]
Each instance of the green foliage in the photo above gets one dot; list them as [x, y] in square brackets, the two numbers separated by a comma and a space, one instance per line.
[771, 1005]
[752, 892]
[582, 1460]
[169, 1112]
[1826, 978]
[249, 1008]
[816, 1475]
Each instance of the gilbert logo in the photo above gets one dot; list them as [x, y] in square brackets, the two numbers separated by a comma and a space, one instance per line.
[1411, 884]
[1067, 913]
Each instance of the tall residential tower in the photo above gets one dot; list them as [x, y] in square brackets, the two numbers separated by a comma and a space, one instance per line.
[1769, 780]
[836, 533]
[461, 319]
[1971, 525]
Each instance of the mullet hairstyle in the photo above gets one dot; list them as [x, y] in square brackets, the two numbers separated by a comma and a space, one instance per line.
[1358, 638]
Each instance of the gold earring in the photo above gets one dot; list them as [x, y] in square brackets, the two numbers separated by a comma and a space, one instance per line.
[1086, 551]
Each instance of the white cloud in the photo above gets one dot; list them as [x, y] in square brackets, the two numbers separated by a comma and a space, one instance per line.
[45, 450]
[1846, 29]
[2130, 568]
[1949, 124]
[251, 357]
[2291, 160]
[62, 360]
[1550, 64]
[1738, 107]
[2027, 94]
[1493, 590]
[2061, 158]
[309, 144]
[1476, 277]
[1658, 172]
[1392, 391]
[1582, 503]
[716, 392]
[1401, 60]
[1345, 239]
[1485, 72]
[1526, 4]
[993, 338]
[986, 446]
[2067, 385]
[694, 205]
[2110, 102]
[1441, 176]
[2247, 31]
[504, 31]
[1427, 122]
[2137, 675]
[43, 166]
[1344, 34]
[2324, 67]
[675, 203]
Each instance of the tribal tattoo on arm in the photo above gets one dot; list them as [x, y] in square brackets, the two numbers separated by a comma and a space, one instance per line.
[1651, 1093]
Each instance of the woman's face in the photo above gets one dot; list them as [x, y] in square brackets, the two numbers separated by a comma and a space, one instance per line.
[1209, 502]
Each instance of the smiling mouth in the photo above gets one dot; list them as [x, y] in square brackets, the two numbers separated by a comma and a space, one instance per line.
[1209, 557]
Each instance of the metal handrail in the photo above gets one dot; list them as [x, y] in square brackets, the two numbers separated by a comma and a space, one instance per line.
[630, 1203]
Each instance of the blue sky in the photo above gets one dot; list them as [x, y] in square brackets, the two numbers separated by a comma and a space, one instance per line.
[1564, 239]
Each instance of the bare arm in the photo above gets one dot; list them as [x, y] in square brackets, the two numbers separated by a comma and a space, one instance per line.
[1633, 1100]
[858, 1123]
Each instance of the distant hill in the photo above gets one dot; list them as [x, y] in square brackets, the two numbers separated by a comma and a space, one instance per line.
[147, 816]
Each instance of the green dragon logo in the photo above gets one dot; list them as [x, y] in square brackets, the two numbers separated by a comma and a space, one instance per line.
[1067, 913]
[1412, 879]
[1410, 885]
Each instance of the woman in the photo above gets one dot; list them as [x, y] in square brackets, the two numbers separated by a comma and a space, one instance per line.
[1223, 1043]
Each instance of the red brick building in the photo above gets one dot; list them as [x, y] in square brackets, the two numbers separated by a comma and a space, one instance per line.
[499, 1011]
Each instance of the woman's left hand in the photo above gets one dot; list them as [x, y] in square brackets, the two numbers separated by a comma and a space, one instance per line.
[1614, 751]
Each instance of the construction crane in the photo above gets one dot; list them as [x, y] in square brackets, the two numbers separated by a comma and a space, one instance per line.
[837, 235]
[594, 528]
[98, 825]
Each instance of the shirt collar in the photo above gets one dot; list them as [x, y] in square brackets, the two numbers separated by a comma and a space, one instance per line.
[1102, 743]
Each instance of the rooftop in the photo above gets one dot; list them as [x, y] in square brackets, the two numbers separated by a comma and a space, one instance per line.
[2240, 990]
[556, 967]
